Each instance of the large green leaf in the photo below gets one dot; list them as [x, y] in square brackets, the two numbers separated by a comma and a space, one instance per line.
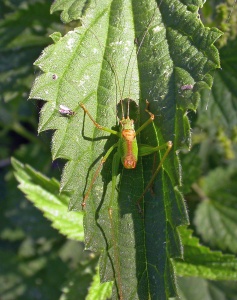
[200, 261]
[44, 193]
[97, 64]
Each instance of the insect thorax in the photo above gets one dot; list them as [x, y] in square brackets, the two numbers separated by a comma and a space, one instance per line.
[127, 124]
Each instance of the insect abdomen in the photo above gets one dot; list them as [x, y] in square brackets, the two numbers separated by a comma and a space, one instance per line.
[129, 148]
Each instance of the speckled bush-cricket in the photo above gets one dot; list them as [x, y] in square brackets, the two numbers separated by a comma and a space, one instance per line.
[128, 150]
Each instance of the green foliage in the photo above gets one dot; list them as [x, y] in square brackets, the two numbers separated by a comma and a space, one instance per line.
[212, 174]
[68, 78]
[197, 260]
[23, 34]
[177, 51]
[200, 261]
[71, 9]
[199, 289]
[217, 213]
[35, 259]
[222, 14]
[77, 285]
[99, 291]
[23, 276]
[44, 193]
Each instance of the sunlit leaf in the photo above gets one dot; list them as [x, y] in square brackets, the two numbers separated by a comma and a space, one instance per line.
[44, 193]
[200, 261]
[97, 64]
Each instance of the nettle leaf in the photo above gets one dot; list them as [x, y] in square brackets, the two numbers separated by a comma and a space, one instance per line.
[215, 217]
[44, 193]
[200, 261]
[97, 64]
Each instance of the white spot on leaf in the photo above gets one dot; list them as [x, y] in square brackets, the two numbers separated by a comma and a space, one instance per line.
[70, 43]
[157, 28]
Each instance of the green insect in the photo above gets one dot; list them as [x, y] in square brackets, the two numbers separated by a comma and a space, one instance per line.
[128, 150]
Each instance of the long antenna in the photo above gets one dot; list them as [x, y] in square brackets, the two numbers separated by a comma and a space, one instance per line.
[128, 108]
[139, 48]
[112, 66]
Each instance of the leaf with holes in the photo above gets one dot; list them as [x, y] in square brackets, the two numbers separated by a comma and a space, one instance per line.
[97, 64]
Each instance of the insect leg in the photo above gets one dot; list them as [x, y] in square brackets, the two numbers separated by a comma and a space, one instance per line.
[98, 125]
[103, 160]
[152, 117]
[146, 150]
[117, 274]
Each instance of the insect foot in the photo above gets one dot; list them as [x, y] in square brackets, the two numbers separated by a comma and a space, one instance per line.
[83, 205]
